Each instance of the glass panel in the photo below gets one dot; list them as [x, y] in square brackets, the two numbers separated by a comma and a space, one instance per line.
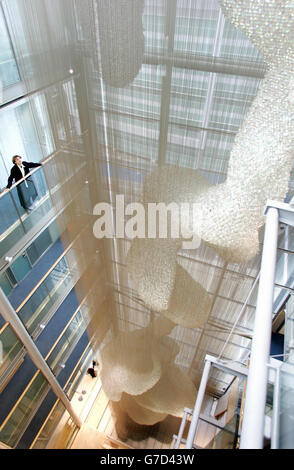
[50, 425]
[234, 94]
[27, 130]
[35, 308]
[66, 343]
[42, 123]
[154, 27]
[21, 267]
[236, 45]
[228, 436]
[40, 201]
[5, 284]
[32, 253]
[17, 134]
[11, 227]
[11, 277]
[54, 231]
[11, 346]
[15, 220]
[8, 69]
[58, 279]
[188, 96]
[39, 246]
[3, 173]
[196, 27]
[286, 417]
[73, 113]
[80, 371]
[224, 439]
[285, 269]
[57, 113]
[289, 330]
[27, 406]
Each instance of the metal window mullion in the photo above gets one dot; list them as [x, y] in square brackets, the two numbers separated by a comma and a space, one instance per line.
[198, 405]
[166, 84]
[212, 80]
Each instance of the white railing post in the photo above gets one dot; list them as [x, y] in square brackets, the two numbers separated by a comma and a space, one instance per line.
[252, 433]
[181, 431]
[198, 405]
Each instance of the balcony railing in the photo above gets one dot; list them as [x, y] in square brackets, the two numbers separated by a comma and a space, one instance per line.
[17, 224]
[28, 403]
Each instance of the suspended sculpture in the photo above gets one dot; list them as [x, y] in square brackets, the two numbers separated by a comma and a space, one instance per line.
[142, 361]
[138, 413]
[231, 213]
[262, 154]
[152, 263]
[133, 362]
[172, 393]
[121, 40]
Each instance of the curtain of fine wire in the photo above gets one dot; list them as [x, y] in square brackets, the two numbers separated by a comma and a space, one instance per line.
[170, 112]
[45, 41]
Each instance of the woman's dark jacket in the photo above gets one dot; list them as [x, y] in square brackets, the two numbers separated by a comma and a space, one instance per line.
[16, 173]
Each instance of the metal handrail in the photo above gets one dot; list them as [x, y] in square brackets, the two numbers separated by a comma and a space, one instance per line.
[7, 190]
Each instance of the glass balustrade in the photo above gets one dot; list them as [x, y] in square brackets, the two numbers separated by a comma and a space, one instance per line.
[15, 220]
[12, 228]
[228, 436]
[13, 427]
[11, 348]
[58, 409]
[41, 304]
[66, 343]
[225, 438]
[79, 372]
[286, 409]
[286, 382]
[49, 427]
[289, 330]
[17, 421]
[38, 307]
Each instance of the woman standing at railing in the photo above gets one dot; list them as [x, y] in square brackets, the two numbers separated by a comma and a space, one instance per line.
[26, 190]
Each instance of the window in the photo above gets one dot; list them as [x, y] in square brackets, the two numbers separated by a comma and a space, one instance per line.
[9, 74]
